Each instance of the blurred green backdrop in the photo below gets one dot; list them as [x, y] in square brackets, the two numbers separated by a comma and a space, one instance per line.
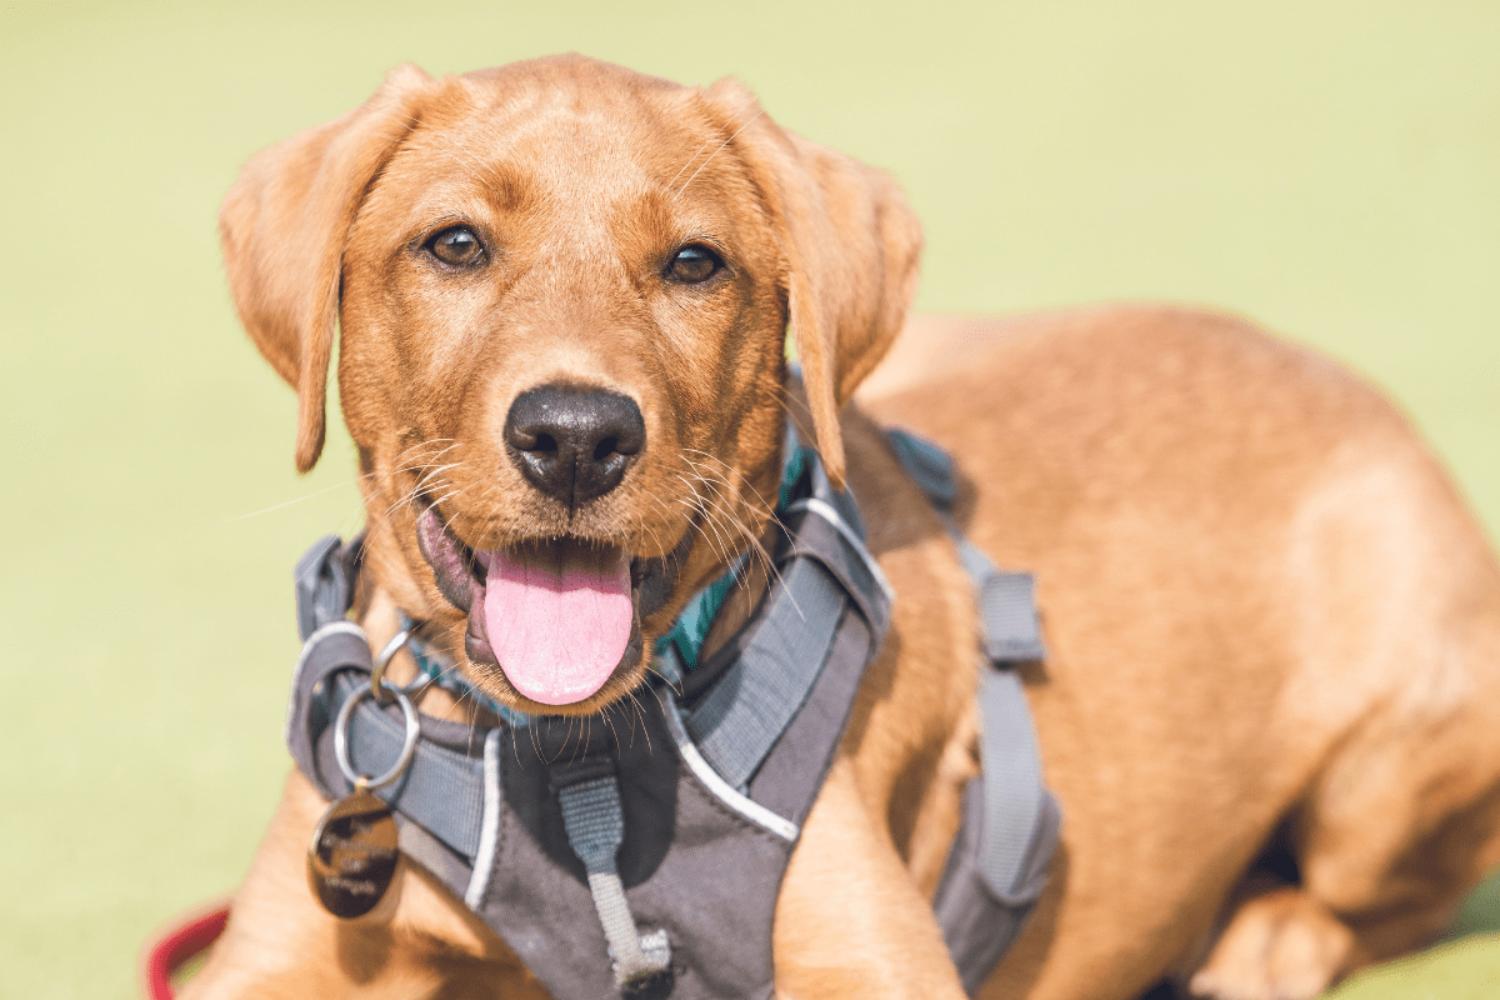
[1329, 168]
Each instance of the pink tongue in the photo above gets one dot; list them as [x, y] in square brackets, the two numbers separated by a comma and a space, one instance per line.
[558, 621]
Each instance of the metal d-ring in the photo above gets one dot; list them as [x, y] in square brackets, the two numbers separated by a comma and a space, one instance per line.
[377, 676]
[341, 738]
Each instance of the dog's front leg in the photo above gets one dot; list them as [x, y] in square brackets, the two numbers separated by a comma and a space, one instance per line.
[850, 922]
[281, 945]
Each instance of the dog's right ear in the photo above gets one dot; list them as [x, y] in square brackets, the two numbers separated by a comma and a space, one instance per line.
[283, 226]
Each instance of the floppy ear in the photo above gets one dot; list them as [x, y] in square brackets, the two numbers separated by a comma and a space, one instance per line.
[283, 226]
[851, 247]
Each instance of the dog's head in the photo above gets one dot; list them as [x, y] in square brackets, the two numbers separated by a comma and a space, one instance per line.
[563, 290]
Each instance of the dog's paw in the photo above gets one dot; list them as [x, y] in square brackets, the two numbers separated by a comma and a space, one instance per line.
[1280, 945]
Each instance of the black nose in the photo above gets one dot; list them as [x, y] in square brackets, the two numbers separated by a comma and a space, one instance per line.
[574, 443]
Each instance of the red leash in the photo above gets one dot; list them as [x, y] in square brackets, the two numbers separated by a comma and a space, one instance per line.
[173, 949]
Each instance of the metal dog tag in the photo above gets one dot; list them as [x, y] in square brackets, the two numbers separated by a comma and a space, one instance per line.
[353, 854]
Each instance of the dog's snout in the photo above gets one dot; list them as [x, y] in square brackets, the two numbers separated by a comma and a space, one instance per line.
[574, 443]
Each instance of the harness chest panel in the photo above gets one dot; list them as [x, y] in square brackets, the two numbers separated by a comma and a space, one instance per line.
[642, 854]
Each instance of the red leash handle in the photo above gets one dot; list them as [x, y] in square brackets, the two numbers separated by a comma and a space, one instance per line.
[179, 944]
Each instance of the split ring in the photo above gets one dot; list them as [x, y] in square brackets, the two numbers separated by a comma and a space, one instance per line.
[341, 737]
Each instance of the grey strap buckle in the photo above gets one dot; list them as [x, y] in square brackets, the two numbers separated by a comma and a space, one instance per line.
[1008, 616]
[325, 582]
[595, 824]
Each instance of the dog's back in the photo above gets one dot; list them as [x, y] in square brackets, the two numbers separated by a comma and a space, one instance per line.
[1274, 627]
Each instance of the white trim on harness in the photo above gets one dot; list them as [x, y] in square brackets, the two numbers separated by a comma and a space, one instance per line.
[721, 789]
[826, 510]
[489, 826]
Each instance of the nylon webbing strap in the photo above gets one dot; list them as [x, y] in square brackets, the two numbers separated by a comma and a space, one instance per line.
[825, 570]
[1007, 600]
[745, 713]
[929, 466]
[595, 825]
[325, 582]
[442, 790]
[1010, 830]
[1014, 795]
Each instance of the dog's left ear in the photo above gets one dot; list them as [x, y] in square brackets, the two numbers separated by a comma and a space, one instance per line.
[851, 247]
[283, 226]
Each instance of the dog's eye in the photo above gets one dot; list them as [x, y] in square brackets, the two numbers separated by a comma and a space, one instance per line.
[457, 245]
[692, 264]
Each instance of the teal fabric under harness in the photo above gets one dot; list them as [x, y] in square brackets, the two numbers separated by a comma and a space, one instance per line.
[643, 856]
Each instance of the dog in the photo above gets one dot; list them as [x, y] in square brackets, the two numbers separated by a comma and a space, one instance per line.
[1271, 704]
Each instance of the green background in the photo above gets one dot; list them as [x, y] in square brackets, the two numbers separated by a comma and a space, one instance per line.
[1328, 168]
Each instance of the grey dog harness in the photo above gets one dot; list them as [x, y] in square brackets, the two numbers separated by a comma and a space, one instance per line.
[640, 854]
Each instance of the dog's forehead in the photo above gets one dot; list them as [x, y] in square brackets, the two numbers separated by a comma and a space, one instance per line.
[593, 133]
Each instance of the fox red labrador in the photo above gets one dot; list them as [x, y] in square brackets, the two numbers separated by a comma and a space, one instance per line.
[1271, 705]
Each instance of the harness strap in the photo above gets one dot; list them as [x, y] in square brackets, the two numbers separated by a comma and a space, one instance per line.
[744, 714]
[589, 795]
[1010, 629]
[446, 788]
[325, 582]
[826, 573]
[1018, 811]
[1009, 831]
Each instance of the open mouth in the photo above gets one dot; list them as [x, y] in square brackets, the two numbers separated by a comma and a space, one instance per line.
[558, 617]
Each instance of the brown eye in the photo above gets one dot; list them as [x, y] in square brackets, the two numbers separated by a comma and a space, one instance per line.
[457, 245]
[692, 264]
